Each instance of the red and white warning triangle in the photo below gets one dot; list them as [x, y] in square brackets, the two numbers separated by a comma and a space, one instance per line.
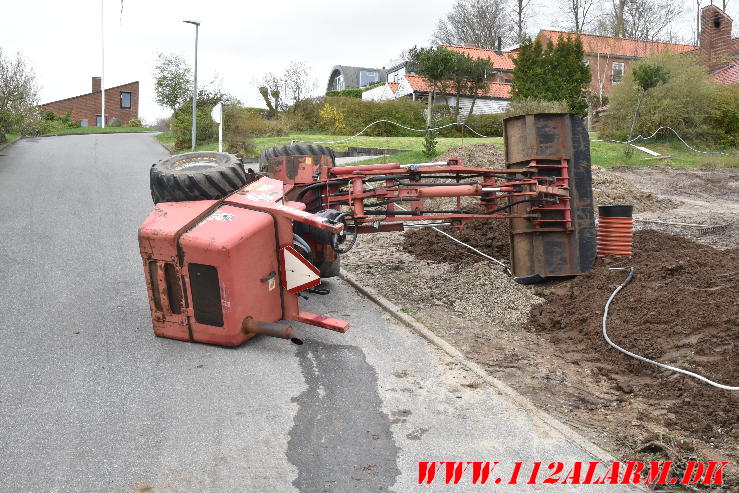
[297, 273]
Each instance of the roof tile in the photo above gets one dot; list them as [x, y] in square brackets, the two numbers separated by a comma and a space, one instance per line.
[619, 46]
[495, 89]
[728, 74]
[503, 61]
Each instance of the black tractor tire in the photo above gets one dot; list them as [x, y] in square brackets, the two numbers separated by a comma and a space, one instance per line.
[196, 176]
[295, 150]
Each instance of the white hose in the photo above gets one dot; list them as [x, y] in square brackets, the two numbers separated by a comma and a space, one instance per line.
[642, 358]
[641, 137]
[397, 125]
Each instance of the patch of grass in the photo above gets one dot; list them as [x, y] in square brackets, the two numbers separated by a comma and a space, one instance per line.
[606, 154]
[97, 130]
[9, 139]
[410, 157]
[410, 143]
[609, 154]
[167, 140]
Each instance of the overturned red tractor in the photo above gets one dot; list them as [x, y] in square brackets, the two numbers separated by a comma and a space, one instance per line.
[226, 252]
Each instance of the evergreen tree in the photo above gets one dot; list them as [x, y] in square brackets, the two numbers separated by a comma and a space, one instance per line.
[555, 73]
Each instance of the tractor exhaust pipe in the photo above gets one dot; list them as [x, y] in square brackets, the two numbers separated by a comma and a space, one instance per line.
[251, 326]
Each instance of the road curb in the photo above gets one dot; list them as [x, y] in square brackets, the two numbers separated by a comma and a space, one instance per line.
[518, 399]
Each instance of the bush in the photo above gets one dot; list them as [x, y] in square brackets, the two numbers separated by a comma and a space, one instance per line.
[346, 93]
[246, 122]
[182, 127]
[241, 124]
[355, 114]
[331, 119]
[490, 125]
[49, 122]
[134, 122]
[690, 102]
[429, 145]
[115, 122]
[531, 106]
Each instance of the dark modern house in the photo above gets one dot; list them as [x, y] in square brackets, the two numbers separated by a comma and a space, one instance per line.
[121, 102]
[345, 77]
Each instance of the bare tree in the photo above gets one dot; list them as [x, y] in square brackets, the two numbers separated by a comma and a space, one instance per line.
[475, 21]
[578, 12]
[281, 91]
[270, 87]
[298, 82]
[649, 20]
[520, 12]
[18, 94]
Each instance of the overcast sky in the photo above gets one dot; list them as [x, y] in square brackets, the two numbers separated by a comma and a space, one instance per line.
[239, 40]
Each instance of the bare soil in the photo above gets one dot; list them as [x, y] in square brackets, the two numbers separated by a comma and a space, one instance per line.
[709, 197]
[682, 308]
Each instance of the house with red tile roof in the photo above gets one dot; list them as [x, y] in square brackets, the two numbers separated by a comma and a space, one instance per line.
[495, 100]
[609, 58]
[502, 61]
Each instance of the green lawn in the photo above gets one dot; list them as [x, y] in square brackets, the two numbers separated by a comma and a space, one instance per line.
[410, 143]
[605, 154]
[97, 130]
[609, 154]
[9, 139]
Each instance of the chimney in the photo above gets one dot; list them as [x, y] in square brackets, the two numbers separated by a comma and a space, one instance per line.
[470, 44]
[715, 36]
[499, 51]
[96, 84]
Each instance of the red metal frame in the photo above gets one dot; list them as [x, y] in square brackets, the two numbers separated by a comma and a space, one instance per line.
[243, 235]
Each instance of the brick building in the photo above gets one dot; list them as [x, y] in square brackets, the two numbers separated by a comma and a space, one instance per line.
[719, 51]
[121, 102]
[609, 58]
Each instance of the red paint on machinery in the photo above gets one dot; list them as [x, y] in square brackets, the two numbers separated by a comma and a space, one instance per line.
[220, 272]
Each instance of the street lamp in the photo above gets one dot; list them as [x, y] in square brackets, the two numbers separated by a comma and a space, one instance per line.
[194, 84]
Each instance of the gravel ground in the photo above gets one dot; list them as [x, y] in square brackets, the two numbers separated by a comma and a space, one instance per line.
[480, 310]
[612, 189]
[479, 290]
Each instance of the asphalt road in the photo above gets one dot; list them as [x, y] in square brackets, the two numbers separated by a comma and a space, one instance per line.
[91, 401]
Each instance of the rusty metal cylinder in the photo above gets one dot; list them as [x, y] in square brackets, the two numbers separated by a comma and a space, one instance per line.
[280, 331]
[615, 230]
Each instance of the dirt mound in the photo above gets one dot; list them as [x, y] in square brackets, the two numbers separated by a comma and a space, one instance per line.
[611, 189]
[490, 237]
[476, 156]
[681, 309]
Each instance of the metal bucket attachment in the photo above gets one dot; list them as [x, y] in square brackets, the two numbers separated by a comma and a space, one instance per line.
[560, 241]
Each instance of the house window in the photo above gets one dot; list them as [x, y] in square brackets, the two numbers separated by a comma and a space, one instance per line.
[339, 84]
[125, 100]
[367, 77]
[99, 120]
[617, 72]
